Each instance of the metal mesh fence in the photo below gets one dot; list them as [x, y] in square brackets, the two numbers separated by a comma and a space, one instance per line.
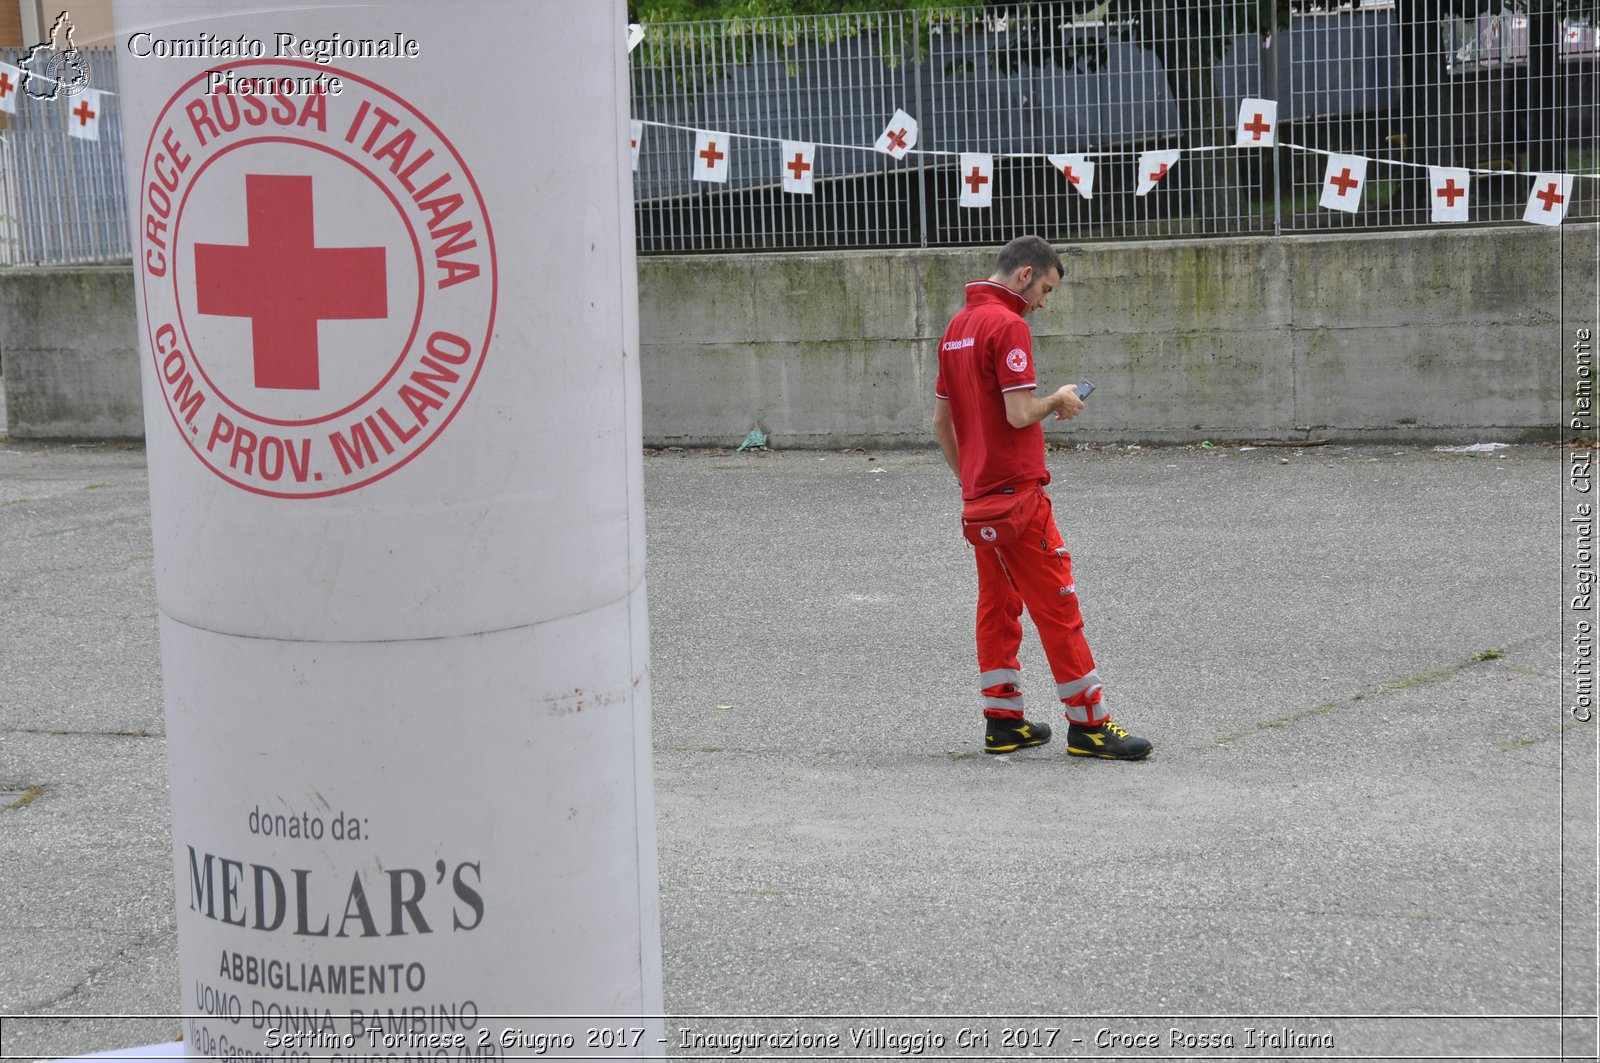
[829, 81]
[1060, 121]
[1498, 99]
[1381, 109]
[62, 198]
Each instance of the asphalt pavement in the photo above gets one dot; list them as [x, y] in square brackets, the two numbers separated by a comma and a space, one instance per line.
[1368, 828]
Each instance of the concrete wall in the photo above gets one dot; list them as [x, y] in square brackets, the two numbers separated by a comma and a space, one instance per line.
[1407, 336]
[1448, 335]
[70, 353]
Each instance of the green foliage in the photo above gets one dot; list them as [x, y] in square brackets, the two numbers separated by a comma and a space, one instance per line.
[690, 43]
[655, 11]
[1246, 15]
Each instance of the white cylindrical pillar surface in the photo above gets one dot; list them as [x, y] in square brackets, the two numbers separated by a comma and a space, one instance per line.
[387, 309]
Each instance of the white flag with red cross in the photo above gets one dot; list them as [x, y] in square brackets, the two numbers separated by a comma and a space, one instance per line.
[1258, 123]
[977, 179]
[711, 157]
[1078, 172]
[10, 82]
[1155, 165]
[1344, 182]
[83, 117]
[635, 140]
[899, 136]
[1547, 204]
[799, 161]
[1448, 188]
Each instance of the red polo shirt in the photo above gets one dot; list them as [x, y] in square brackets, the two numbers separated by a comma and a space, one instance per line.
[985, 352]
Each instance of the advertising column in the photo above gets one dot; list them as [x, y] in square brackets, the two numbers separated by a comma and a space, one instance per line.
[387, 314]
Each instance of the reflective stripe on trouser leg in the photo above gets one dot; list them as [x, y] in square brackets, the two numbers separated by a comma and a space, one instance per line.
[995, 677]
[1003, 705]
[1002, 691]
[1083, 699]
[999, 635]
[1040, 572]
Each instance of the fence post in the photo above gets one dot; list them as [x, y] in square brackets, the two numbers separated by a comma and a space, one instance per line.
[72, 202]
[8, 220]
[1278, 41]
[917, 103]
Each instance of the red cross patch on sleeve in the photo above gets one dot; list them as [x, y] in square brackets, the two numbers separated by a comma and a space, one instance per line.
[1013, 370]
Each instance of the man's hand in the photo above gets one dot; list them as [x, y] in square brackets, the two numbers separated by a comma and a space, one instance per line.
[1066, 402]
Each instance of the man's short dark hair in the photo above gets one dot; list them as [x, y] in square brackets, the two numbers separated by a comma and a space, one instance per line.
[1032, 251]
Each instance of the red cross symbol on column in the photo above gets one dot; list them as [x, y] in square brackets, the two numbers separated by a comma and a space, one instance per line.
[1551, 197]
[1257, 127]
[1161, 171]
[1344, 181]
[83, 112]
[799, 166]
[1448, 191]
[6, 84]
[976, 179]
[897, 139]
[712, 155]
[285, 284]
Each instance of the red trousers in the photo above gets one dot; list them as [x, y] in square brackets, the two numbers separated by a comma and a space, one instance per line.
[1035, 571]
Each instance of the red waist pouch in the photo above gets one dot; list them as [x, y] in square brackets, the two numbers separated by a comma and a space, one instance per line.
[998, 519]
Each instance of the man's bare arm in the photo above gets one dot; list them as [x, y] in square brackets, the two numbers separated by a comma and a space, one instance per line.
[944, 430]
[1024, 408]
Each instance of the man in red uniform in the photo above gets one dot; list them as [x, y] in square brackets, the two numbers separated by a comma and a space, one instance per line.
[986, 417]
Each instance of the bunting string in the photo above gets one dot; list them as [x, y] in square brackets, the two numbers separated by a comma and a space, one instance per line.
[1342, 186]
[1096, 153]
